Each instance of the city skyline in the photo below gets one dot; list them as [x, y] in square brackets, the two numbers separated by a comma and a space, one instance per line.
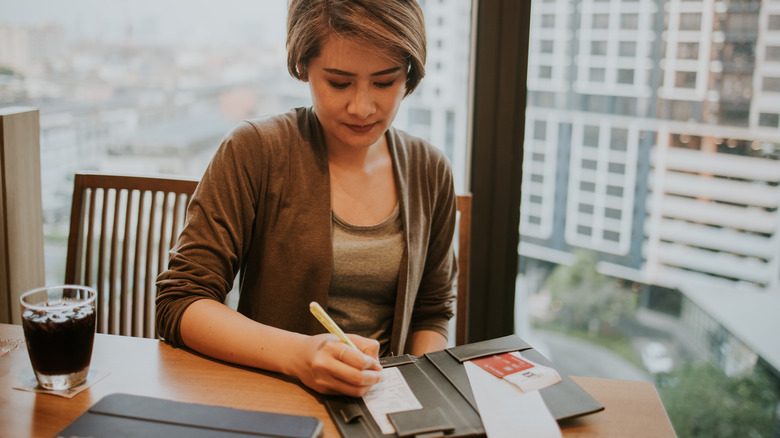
[144, 21]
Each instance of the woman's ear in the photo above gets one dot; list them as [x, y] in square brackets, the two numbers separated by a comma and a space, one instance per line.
[302, 73]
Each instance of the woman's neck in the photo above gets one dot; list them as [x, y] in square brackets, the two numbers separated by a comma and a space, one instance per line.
[357, 159]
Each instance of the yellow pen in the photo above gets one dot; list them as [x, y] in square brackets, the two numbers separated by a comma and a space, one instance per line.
[329, 324]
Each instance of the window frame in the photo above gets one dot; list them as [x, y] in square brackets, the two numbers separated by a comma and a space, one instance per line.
[499, 67]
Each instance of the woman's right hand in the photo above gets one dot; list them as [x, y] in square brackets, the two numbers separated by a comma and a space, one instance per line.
[322, 362]
[330, 366]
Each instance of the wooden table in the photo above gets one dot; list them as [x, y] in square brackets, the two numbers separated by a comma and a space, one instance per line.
[155, 369]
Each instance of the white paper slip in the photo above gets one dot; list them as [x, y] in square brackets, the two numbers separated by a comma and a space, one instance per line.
[391, 394]
[506, 411]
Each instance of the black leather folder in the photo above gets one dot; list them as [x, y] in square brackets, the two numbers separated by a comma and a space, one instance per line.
[440, 383]
[125, 415]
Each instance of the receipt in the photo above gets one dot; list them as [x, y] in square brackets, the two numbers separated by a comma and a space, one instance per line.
[391, 394]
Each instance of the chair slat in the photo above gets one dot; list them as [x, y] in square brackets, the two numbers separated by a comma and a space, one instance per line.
[125, 294]
[150, 332]
[101, 264]
[137, 305]
[112, 262]
[90, 242]
[174, 233]
[161, 250]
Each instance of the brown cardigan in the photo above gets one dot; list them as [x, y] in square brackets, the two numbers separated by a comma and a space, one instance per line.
[263, 207]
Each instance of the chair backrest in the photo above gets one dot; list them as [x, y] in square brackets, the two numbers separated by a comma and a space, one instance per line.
[121, 229]
[464, 243]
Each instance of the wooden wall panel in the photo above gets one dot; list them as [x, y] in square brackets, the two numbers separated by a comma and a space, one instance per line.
[21, 213]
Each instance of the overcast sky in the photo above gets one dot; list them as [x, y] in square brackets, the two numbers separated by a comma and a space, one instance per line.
[162, 20]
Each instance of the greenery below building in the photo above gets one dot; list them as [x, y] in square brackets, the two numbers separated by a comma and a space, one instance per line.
[700, 399]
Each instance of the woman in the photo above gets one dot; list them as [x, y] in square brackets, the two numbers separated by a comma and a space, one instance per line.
[328, 204]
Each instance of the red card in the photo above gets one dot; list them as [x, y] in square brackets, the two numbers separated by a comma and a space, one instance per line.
[502, 365]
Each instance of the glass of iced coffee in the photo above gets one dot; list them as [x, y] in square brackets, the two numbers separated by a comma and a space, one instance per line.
[59, 329]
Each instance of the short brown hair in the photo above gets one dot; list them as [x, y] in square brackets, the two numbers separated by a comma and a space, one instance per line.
[394, 26]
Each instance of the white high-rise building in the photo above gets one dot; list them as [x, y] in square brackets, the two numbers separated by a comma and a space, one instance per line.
[653, 139]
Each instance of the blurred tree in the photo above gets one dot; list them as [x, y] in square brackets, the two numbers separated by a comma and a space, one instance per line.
[6, 71]
[587, 300]
[704, 402]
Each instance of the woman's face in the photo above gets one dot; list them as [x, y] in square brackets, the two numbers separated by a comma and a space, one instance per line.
[356, 92]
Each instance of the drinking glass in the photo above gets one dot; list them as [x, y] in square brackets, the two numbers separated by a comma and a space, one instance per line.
[59, 329]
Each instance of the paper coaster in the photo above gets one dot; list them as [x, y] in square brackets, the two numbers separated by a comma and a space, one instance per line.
[28, 382]
[9, 345]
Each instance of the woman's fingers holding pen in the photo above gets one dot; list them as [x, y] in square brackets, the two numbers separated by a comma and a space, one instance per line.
[363, 365]
[357, 371]
[338, 368]
[370, 350]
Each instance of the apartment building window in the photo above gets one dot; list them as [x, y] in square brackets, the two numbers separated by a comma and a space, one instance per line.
[739, 24]
[769, 120]
[625, 76]
[626, 105]
[545, 72]
[542, 99]
[595, 103]
[598, 48]
[548, 21]
[589, 164]
[597, 74]
[616, 191]
[613, 213]
[681, 110]
[618, 139]
[627, 48]
[584, 230]
[450, 136]
[690, 21]
[617, 168]
[688, 50]
[739, 53]
[771, 85]
[590, 136]
[772, 53]
[629, 21]
[586, 186]
[774, 22]
[540, 130]
[421, 116]
[546, 46]
[600, 21]
[736, 86]
[685, 79]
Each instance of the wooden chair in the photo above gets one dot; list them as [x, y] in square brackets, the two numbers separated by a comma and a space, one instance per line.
[120, 250]
[464, 241]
